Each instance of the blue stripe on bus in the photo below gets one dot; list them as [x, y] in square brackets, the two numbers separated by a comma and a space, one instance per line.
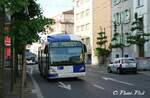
[52, 75]
[78, 68]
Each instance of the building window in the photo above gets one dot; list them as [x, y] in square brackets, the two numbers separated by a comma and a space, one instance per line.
[77, 16]
[127, 16]
[139, 3]
[87, 0]
[82, 27]
[87, 26]
[117, 55]
[77, 28]
[117, 18]
[124, 0]
[77, 3]
[82, 14]
[115, 2]
[126, 55]
[123, 17]
[87, 12]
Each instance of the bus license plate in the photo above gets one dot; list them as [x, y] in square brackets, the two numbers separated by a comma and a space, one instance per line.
[60, 67]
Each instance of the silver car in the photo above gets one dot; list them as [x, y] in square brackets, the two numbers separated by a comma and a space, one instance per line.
[121, 65]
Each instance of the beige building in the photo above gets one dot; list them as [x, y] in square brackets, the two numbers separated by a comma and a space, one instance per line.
[64, 23]
[91, 17]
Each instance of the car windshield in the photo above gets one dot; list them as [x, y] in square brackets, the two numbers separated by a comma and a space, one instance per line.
[66, 56]
[128, 61]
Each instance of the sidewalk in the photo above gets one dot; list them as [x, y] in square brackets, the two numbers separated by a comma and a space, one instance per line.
[16, 93]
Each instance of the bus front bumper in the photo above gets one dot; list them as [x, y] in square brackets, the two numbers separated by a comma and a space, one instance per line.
[67, 75]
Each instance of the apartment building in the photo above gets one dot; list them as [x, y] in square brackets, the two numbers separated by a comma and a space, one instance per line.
[122, 15]
[142, 8]
[101, 22]
[83, 23]
[64, 23]
[89, 17]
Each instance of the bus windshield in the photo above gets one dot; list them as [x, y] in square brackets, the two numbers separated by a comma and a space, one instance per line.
[66, 55]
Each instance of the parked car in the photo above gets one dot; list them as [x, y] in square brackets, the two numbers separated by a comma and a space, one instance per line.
[30, 58]
[121, 65]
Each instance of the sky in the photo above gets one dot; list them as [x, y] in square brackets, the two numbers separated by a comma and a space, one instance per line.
[53, 7]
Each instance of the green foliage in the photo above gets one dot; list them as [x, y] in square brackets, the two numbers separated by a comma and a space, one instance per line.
[101, 39]
[117, 43]
[137, 39]
[13, 5]
[101, 50]
[26, 21]
[140, 37]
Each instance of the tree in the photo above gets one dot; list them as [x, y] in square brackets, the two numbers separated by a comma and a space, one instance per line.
[26, 22]
[138, 37]
[118, 40]
[102, 51]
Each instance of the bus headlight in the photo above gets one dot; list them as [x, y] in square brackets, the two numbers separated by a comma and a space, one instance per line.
[52, 70]
[82, 69]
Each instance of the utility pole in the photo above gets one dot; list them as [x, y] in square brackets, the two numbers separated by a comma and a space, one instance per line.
[122, 40]
[2, 20]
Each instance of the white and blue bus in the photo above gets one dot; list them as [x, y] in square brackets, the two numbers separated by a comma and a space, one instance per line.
[63, 56]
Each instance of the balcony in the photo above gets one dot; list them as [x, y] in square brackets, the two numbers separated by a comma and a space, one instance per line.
[66, 21]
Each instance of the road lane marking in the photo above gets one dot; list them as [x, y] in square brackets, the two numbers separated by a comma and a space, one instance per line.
[36, 89]
[66, 86]
[97, 86]
[111, 79]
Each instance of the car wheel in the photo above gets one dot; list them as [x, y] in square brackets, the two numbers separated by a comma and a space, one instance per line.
[118, 71]
[109, 70]
[135, 72]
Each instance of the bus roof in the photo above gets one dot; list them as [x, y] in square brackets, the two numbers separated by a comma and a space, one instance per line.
[63, 37]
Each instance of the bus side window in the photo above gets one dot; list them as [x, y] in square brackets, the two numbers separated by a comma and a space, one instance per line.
[85, 49]
[46, 49]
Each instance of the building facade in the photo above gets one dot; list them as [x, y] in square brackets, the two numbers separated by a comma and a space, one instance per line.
[142, 8]
[64, 23]
[122, 17]
[89, 17]
[101, 22]
[83, 23]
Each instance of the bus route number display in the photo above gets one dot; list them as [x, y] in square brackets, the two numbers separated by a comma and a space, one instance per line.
[65, 44]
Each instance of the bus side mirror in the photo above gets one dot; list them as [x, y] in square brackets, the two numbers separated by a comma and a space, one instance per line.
[46, 49]
[85, 49]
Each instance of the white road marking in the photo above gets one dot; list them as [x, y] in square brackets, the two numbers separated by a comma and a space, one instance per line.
[111, 79]
[37, 90]
[97, 86]
[66, 86]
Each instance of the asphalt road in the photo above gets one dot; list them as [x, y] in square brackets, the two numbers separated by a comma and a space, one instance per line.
[97, 84]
